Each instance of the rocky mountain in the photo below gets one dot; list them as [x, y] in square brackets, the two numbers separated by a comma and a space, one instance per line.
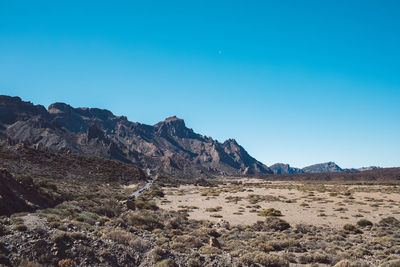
[322, 168]
[166, 147]
[328, 167]
[281, 168]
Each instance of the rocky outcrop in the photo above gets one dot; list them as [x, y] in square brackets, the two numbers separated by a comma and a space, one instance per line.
[167, 147]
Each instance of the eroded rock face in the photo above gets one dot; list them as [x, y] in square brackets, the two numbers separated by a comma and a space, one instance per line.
[168, 146]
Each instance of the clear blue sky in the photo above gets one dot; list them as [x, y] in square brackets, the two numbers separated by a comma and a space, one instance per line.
[299, 82]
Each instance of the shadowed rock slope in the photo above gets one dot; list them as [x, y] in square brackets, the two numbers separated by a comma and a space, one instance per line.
[166, 147]
[32, 179]
[20, 195]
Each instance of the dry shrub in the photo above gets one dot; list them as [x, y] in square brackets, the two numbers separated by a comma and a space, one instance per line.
[166, 263]
[347, 263]
[216, 209]
[194, 262]
[364, 223]
[174, 222]
[140, 244]
[392, 263]
[158, 254]
[390, 221]
[270, 212]
[145, 205]
[271, 223]
[61, 238]
[178, 246]
[109, 208]
[263, 259]
[278, 245]
[66, 263]
[210, 250]
[145, 222]
[78, 236]
[27, 263]
[120, 236]
[350, 228]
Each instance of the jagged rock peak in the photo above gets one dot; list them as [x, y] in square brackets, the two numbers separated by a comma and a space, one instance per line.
[173, 118]
[10, 99]
[172, 121]
[16, 102]
[59, 107]
[231, 141]
[13, 109]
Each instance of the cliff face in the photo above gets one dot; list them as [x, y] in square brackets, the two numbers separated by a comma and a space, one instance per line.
[168, 146]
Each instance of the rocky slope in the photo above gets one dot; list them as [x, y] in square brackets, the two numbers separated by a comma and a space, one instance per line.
[166, 147]
[32, 179]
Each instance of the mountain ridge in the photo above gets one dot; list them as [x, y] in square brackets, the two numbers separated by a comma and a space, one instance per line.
[167, 147]
[325, 167]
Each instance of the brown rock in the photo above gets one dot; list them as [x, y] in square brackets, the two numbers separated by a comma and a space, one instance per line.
[214, 243]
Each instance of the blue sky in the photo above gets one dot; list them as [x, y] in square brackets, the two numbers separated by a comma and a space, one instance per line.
[299, 82]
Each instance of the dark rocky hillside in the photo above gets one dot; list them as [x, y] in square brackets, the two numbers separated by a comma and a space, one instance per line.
[24, 160]
[32, 179]
[167, 147]
[21, 194]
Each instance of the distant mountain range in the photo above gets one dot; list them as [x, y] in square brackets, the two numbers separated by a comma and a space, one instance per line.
[328, 167]
[167, 147]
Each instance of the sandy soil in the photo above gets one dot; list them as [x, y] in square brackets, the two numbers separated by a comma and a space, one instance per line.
[299, 203]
